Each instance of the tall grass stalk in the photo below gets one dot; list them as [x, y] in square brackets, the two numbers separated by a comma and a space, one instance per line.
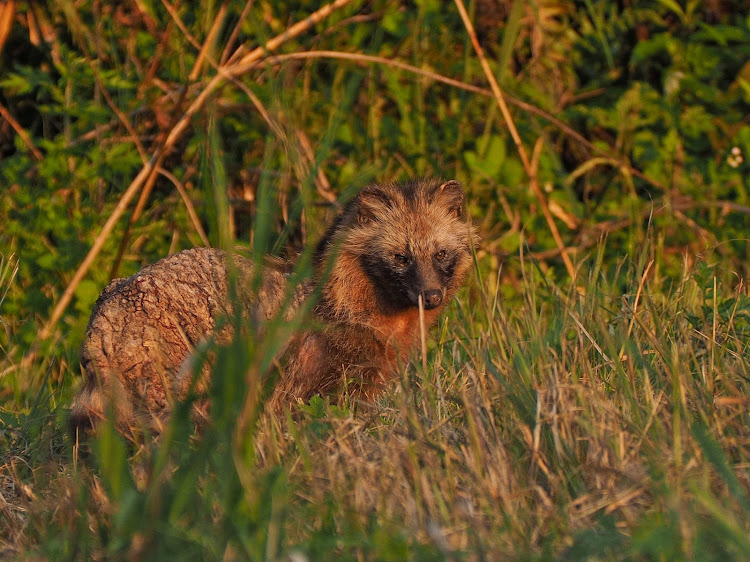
[537, 425]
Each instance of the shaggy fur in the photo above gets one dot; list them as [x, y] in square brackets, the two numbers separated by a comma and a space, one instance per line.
[393, 245]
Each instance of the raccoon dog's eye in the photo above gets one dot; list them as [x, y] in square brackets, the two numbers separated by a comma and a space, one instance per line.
[401, 260]
[441, 255]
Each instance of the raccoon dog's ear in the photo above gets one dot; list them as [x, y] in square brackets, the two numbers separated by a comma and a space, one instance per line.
[371, 202]
[451, 195]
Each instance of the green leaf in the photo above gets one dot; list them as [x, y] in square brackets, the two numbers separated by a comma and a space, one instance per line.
[394, 22]
[490, 163]
[645, 50]
[47, 261]
[86, 294]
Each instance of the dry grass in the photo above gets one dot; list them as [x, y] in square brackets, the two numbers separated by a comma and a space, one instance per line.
[612, 423]
[542, 419]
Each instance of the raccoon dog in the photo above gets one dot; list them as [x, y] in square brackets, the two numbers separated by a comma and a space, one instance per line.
[393, 246]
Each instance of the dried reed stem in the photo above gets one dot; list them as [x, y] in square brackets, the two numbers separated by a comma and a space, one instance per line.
[21, 132]
[527, 164]
[188, 205]
[422, 333]
[203, 53]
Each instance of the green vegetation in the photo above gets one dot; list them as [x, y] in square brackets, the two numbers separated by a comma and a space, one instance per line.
[591, 409]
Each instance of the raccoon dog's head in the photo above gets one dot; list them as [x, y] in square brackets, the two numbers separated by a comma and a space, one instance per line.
[406, 241]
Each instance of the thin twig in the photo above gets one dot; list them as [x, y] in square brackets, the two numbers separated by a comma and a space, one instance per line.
[145, 192]
[235, 32]
[176, 18]
[321, 180]
[139, 206]
[203, 53]
[530, 170]
[21, 132]
[113, 106]
[188, 205]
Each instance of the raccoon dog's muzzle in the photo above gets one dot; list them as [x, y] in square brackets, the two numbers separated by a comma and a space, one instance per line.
[431, 298]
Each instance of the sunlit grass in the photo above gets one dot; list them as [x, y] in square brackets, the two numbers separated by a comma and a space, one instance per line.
[600, 424]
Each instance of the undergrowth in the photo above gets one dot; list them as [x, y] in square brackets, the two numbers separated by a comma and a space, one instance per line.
[609, 424]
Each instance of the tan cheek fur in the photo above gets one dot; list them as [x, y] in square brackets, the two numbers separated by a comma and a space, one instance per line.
[351, 294]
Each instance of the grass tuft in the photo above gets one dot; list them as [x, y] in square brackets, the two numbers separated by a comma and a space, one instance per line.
[566, 424]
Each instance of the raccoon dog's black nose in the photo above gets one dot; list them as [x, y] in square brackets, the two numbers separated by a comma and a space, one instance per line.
[432, 298]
